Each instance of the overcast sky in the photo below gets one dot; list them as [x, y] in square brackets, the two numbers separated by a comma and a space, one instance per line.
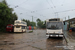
[43, 9]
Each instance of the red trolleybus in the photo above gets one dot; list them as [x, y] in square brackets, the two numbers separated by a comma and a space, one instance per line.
[9, 28]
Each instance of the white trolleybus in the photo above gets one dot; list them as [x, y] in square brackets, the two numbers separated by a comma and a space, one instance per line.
[20, 26]
[54, 27]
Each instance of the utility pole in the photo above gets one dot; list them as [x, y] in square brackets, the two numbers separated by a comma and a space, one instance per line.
[32, 18]
[65, 18]
[68, 17]
[56, 14]
[32, 21]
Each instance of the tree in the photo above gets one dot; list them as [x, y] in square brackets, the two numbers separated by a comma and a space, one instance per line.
[6, 17]
[33, 23]
[43, 26]
[13, 18]
[38, 20]
[4, 11]
[29, 23]
[40, 24]
[4, 2]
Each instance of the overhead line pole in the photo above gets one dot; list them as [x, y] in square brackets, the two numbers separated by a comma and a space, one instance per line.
[32, 18]
[32, 21]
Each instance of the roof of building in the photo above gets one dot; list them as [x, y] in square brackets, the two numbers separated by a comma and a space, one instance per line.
[72, 19]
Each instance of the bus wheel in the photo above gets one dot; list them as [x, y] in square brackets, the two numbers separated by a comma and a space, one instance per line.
[22, 30]
[48, 37]
[10, 30]
[25, 31]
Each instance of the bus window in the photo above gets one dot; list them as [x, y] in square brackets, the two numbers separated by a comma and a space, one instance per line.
[8, 26]
[22, 22]
[23, 27]
[17, 22]
[26, 27]
[17, 26]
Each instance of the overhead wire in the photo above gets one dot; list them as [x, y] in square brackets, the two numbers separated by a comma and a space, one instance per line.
[53, 4]
[62, 2]
[49, 4]
[23, 2]
[52, 8]
[42, 10]
[21, 8]
[66, 11]
[29, 11]
[56, 14]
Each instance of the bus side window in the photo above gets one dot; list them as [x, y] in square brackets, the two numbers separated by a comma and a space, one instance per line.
[23, 27]
[64, 23]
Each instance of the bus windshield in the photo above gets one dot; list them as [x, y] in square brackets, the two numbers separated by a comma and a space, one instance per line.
[54, 25]
[17, 22]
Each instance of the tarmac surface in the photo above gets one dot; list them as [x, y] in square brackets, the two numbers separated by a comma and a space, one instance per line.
[36, 40]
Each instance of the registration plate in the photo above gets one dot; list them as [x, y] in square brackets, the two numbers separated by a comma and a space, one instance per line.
[54, 35]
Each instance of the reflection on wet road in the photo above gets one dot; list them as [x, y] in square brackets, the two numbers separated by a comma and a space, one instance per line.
[30, 41]
[55, 43]
[70, 38]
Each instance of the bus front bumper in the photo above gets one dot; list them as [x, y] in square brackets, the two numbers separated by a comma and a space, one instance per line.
[54, 35]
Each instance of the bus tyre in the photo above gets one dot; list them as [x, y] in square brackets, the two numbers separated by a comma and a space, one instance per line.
[25, 31]
[10, 30]
[48, 37]
[61, 37]
[22, 30]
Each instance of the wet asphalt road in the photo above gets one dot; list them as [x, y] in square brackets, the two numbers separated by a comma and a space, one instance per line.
[30, 41]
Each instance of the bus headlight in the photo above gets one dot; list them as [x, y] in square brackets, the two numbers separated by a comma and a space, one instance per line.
[46, 33]
[61, 33]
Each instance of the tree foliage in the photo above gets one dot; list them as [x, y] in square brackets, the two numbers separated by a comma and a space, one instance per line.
[29, 23]
[40, 23]
[6, 15]
[33, 23]
[38, 20]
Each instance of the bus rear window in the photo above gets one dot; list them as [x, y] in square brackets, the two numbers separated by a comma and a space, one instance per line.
[17, 26]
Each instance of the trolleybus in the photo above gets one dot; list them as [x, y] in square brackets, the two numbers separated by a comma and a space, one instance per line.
[20, 26]
[10, 28]
[54, 27]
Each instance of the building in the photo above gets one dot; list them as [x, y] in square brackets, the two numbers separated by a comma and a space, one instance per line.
[69, 23]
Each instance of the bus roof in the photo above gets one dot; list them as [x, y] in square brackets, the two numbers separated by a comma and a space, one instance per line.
[19, 20]
[10, 25]
[54, 19]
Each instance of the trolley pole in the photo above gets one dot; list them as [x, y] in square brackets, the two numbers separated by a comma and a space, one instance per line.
[32, 21]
